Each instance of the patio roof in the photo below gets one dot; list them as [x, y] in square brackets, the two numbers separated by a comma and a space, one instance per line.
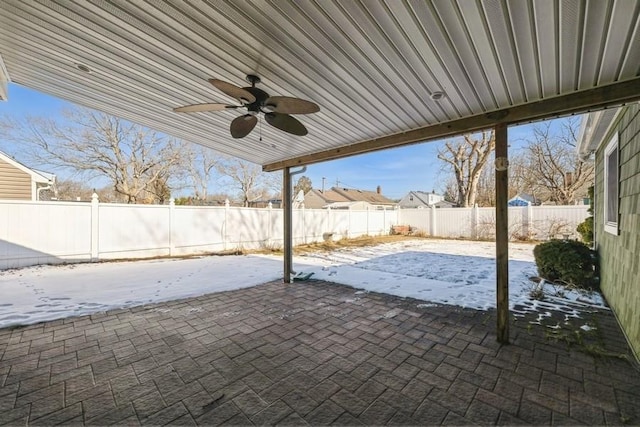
[376, 68]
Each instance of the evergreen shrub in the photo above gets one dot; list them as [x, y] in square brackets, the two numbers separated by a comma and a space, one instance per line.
[567, 261]
[585, 228]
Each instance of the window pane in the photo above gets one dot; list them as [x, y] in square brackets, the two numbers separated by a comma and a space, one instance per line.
[612, 187]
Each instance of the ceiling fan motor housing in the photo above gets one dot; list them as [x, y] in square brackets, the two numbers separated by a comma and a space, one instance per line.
[259, 104]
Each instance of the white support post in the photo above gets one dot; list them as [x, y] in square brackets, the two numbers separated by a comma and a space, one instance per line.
[95, 227]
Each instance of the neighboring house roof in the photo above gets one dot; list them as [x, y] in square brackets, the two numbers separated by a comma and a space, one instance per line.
[338, 195]
[444, 204]
[36, 175]
[523, 199]
[328, 196]
[355, 195]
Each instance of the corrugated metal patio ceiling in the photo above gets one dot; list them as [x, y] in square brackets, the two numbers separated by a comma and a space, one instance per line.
[371, 65]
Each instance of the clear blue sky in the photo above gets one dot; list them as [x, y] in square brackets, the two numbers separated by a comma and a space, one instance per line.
[397, 171]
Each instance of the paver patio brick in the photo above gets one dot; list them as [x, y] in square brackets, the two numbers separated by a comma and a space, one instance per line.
[430, 413]
[167, 415]
[401, 402]
[300, 402]
[249, 403]
[379, 412]
[97, 405]
[343, 364]
[546, 401]
[448, 400]
[586, 413]
[272, 414]
[323, 372]
[350, 402]
[324, 390]
[148, 404]
[257, 381]
[325, 414]
[506, 403]
[59, 417]
[532, 413]
[506, 419]
[114, 416]
[46, 406]
[482, 413]
[338, 362]
[218, 414]
[433, 380]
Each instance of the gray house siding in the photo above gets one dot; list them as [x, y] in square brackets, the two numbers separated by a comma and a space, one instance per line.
[14, 183]
[620, 255]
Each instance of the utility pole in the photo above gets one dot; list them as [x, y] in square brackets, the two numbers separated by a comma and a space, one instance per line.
[323, 178]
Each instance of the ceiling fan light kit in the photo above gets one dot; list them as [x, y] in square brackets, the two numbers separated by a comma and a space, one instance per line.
[277, 110]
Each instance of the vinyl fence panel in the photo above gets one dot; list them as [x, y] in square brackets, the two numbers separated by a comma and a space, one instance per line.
[53, 232]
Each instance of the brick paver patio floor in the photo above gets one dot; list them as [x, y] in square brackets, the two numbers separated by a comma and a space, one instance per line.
[312, 353]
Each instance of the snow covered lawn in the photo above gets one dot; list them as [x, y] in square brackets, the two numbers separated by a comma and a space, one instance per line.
[435, 271]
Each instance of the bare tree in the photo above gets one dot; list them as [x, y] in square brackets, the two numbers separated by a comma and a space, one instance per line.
[247, 178]
[137, 161]
[553, 168]
[69, 189]
[304, 184]
[201, 167]
[486, 193]
[466, 157]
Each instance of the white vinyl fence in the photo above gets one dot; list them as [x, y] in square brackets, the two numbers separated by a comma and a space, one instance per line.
[34, 233]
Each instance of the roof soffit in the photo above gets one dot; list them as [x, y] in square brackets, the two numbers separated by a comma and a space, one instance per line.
[371, 65]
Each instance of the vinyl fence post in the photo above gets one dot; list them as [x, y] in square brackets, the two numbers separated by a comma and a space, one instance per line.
[529, 223]
[476, 221]
[95, 227]
[269, 228]
[224, 227]
[172, 209]
[384, 221]
[433, 220]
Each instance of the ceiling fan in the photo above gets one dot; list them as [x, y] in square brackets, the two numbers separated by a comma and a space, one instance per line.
[277, 110]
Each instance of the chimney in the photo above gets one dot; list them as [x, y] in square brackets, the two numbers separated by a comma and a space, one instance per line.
[379, 190]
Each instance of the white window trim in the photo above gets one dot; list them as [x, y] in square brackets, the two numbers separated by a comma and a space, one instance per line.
[611, 226]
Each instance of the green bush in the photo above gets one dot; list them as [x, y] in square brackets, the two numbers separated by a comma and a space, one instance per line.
[585, 228]
[568, 261]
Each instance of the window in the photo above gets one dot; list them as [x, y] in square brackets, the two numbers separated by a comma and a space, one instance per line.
[611, 184]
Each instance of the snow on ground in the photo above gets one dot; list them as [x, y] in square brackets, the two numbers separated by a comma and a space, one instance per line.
[49, 292]
[436, 271]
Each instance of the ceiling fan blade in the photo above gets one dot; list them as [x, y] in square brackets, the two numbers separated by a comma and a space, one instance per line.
[197, 108]
[234, 91]
[243, 125]
[288, 105]
[286, 123]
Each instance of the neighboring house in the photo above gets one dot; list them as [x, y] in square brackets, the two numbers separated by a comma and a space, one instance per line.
[18, 182]
[355, 206]
[523, 200]
[614, 137]
[422, 199]
[317, 199]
